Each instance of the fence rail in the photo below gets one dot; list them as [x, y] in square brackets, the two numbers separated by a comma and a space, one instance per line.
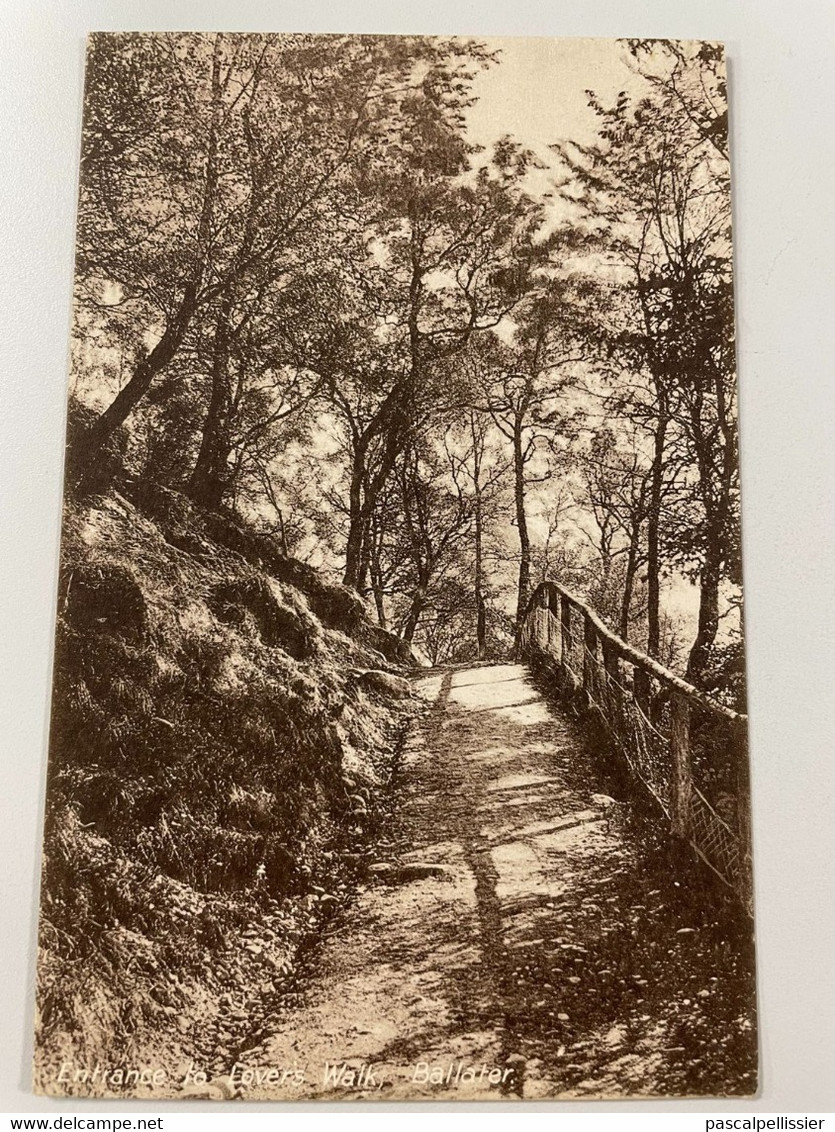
[690, 752]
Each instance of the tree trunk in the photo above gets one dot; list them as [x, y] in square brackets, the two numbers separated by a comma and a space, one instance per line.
[656, 487]
[82, 460]
[478, 579]
[356, 521]
[480, 603]
[375, 569]
[357, 561]
[708, 627]
[365, 489]
[379, 599]
[365, 549]
[282, 533]
[415, 610]
[717, 463]
[629, 582]
[522, 523]
[208, 479]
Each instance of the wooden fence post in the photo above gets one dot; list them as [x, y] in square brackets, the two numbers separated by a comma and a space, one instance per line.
[589, 656]
[554, 638]
[613, 692]
[682, 779]
[565, 631]
[542, 621]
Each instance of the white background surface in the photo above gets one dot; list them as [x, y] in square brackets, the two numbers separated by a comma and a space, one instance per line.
[782, 63]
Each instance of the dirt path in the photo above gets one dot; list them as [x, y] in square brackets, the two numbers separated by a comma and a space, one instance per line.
[497, 950]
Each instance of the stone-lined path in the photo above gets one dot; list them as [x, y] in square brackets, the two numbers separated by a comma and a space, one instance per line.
[498, 950]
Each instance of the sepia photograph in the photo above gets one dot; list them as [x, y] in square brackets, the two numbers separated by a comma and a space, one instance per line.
[398, 745]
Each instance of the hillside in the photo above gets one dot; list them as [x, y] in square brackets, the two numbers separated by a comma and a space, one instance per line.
[223, 726]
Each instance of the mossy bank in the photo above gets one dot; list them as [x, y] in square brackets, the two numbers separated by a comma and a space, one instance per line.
[224, 724]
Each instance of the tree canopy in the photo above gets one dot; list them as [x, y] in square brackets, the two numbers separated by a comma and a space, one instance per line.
[304, 294]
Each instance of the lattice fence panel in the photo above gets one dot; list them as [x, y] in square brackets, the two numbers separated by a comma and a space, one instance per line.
[706, 794]
[715, 840]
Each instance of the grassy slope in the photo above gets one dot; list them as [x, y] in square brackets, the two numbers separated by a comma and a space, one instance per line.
[216, 756]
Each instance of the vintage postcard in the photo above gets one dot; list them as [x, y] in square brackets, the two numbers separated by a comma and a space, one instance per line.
[398, 744]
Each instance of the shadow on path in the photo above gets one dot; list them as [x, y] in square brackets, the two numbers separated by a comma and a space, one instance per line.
[523, 933]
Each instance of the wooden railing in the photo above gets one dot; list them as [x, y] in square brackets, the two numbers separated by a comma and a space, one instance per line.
[690, 752]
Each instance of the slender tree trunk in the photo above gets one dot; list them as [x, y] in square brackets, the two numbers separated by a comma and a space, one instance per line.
[208, 479]
[629, 582]
[656, 487]
[379, 599]
[365, 551]
[282, 533]
[357, 560]
[716, 457]
[480, 603]
[524, 583]
[415, 610]
[478, 581]
[711, 575]
[356, 521]
[365, 489]
[375, 569]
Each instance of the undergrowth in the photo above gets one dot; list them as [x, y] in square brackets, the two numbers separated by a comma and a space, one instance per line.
[215, 760]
